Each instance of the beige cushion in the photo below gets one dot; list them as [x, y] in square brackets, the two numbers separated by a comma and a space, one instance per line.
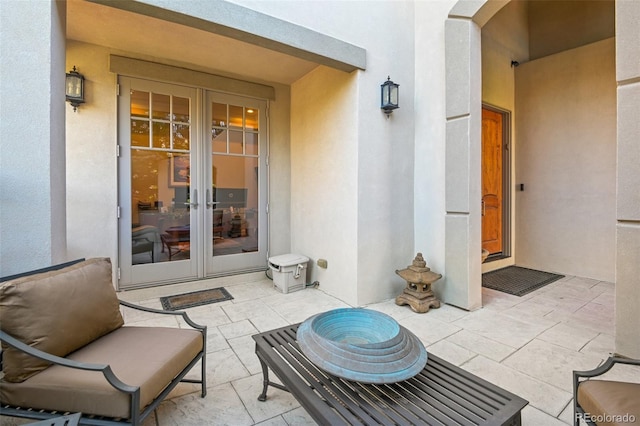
[57, 312]
[613, 399]
[149, 357]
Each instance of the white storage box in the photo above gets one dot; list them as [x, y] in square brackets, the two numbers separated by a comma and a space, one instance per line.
[289, 272]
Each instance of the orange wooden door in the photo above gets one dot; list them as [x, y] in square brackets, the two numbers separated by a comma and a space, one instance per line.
[492, 167]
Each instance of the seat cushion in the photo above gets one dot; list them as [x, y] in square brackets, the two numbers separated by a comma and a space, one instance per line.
[610, 401]
[57, 312]
[149, 357]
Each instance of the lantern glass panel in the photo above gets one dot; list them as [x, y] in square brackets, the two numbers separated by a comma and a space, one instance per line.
[385, 95]
[74, 86]
[393, 95]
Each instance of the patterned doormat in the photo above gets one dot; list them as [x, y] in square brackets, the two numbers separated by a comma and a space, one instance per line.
[517, 280]
[196, 298]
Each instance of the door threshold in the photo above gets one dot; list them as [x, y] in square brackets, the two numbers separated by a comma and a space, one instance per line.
[496, 256]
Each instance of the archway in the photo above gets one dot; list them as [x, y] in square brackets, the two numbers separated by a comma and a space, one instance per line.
[464, 96]
[462, 154]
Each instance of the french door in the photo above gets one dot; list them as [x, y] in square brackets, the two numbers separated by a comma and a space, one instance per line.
[192, 183]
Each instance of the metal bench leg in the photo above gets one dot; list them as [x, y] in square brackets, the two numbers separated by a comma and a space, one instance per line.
[266, 382]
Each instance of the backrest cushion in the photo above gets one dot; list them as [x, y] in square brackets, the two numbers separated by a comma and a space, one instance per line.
[57, 312]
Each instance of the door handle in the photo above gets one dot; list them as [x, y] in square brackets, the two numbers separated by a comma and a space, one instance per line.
[210, 203]
[193, 204]
[483, 209]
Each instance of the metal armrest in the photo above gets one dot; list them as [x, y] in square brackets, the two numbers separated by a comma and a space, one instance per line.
[606, 366]
[103, 368]
[183, 314]
[577, 375]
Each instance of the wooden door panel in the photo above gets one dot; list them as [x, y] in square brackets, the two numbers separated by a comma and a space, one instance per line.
[492, 175]
[492, 224]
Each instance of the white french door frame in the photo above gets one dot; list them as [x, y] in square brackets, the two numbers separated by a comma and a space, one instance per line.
[201, 263]
[251, 261]
[150, 274]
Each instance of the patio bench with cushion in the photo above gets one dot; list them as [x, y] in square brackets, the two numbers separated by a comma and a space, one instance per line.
[605, 402]
[65, 349]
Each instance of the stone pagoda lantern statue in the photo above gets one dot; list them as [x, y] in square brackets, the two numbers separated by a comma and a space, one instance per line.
[418, 294]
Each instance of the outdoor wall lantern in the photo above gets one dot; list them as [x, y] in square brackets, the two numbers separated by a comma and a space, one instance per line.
[389, 100]
[74, 88]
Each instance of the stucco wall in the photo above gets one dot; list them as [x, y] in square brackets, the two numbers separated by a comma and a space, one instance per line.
[324, 166]
[566, 158]
[32, 202]
[92, 180]
[429, 151]
[350, 162]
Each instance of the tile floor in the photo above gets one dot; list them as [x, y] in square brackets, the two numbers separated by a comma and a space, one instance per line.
[528, 345]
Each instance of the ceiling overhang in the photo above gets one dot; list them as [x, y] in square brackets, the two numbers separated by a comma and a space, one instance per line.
[216, 35]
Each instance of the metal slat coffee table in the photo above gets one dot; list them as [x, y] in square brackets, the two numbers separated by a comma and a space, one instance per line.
[441, 394]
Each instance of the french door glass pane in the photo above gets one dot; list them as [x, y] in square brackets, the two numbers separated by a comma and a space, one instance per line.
[251, 143]
[235, 142]
[219, 140]
[219, 115]
[139, 104]
[161, 135]
[235, 116]
[251, 119]
[161, 106]
[235, 216]
[140, 133]
[181, 136]
[234, 147]
[160, 177]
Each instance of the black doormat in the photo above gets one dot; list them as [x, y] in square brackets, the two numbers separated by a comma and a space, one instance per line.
[196, 298]
[517, 280]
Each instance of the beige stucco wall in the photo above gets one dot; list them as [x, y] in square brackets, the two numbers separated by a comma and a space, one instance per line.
[566, 159]
[430, 146]
[32, 109]
[92, 180]
[324, 167]
[352, 169]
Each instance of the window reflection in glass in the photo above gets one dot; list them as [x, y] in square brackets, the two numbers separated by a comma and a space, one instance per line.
[235, 116]
[139, 104]
[139, 133]
[181, 136]
[161, 105]
[181, 109]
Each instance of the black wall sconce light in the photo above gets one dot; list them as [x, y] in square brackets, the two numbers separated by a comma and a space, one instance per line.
[74, 88]
[389, 92]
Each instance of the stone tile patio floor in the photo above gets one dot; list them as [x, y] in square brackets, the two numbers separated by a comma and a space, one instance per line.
[528, 345]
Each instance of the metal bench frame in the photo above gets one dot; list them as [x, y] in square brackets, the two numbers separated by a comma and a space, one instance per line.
[441, 394]
[138, 416]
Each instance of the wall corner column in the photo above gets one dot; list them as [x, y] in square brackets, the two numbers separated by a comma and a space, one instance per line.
[627, 339]
[32, 157]
[463, 273]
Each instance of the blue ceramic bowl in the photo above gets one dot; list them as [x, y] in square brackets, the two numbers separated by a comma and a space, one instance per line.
[361, 345]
